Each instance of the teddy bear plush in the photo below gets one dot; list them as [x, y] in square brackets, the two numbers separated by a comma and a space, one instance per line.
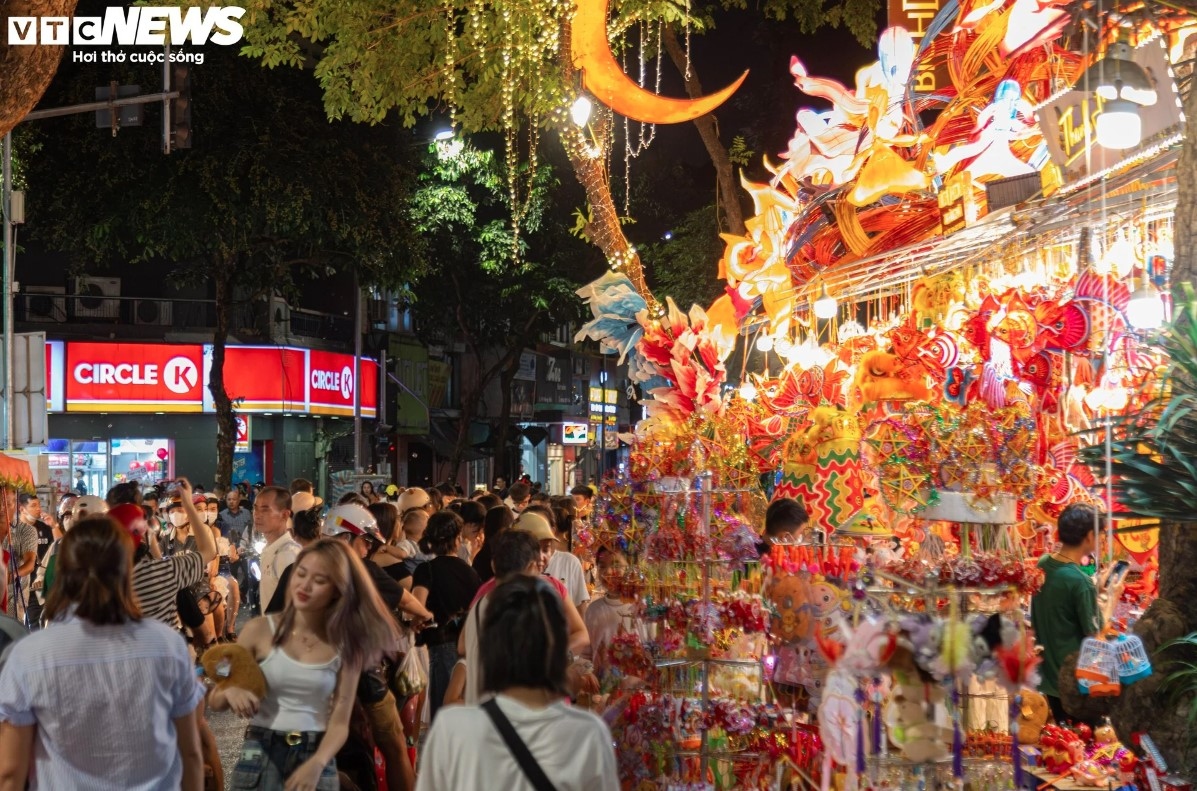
[231, 665]
[1032, 716]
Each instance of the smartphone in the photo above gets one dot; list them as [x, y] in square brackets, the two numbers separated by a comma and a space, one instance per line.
[1117, 573]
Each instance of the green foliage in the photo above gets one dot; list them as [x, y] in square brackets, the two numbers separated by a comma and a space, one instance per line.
[269, 183]
[472, 287]
[739, 153]
[686, 266]
[1179, 687]
[1154, 451]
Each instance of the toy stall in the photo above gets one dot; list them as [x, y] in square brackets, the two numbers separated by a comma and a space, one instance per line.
[934, 325]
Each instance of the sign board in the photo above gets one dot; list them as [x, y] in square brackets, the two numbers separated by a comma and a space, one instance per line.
[28, 399]
[55, 351]
[527, 369]
[332, 384]
[134, 377]
[411, 368]
[242, 442]
[261, 378]
[158, 377]
[554, 384]
[1069, 122]
[575, 434]
[914, 16]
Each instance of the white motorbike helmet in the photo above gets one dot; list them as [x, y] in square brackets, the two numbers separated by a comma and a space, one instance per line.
[88, 505]
[352, 519]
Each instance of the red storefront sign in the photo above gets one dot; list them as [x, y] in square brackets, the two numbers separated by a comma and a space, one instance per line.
[265, 378]
[134, 377]
[331, 384]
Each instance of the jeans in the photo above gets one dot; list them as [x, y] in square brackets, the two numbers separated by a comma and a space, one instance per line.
[269, 757]
[441, 659]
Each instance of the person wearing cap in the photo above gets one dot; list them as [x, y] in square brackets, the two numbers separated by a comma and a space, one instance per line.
[563, 565]
[31, 514]
[234, 520]
[19, 542]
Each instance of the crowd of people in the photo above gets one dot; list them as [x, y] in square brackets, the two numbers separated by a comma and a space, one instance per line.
[379, 613]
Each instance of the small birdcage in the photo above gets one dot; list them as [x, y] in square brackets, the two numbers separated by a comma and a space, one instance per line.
[1133, 663]
[1097, 668]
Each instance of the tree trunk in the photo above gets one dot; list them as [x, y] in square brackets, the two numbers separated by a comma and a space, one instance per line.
[26, 71]
[727, 190]
[226, 421]
[502, 455]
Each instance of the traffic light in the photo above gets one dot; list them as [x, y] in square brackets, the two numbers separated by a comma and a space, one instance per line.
[180, 107]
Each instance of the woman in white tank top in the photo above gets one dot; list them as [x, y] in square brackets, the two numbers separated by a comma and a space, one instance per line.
[312, 655]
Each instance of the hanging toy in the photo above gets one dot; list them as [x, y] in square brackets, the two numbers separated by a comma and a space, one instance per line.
[1133, 663]
[1097, 669]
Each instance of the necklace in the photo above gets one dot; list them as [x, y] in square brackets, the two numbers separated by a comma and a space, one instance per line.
[1062, 557]
[306, 640]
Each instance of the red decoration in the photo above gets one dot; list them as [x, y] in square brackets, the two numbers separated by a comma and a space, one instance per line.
[162, 454]
[134, 465]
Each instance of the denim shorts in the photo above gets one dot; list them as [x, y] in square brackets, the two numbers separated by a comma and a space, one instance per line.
[269, 757]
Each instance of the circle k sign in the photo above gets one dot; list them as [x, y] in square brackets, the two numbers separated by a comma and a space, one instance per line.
[138, 377]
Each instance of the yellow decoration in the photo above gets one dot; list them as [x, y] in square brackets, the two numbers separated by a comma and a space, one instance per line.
[604, 77]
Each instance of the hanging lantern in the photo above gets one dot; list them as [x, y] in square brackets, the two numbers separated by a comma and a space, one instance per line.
[1145, 310]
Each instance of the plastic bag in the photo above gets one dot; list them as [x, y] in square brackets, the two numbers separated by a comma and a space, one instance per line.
[412, 676]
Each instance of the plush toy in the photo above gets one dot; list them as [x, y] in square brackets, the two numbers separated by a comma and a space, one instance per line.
[910, 720]
[231, 665]
[1032, 716]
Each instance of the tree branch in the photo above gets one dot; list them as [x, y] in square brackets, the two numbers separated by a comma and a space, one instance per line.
[708, 130]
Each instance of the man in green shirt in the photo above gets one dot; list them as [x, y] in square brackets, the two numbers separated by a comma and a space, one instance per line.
[1065, 610]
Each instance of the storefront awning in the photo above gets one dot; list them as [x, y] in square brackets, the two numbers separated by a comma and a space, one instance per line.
[15, 474]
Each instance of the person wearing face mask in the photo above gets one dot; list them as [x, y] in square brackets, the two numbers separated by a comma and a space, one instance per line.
[223, 581]
[158, 577]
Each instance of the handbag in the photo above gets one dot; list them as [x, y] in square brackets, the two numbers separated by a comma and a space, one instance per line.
[523, 755]
[189, 610]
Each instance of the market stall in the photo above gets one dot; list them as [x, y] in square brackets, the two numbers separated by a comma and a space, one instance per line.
[938, 325]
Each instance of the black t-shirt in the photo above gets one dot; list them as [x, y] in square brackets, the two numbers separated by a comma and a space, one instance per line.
[482, 563]
[45, 537]
[451, 585]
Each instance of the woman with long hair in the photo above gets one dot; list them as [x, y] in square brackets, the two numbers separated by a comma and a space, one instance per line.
[524, 650]
[445, 585]
[366, 490]
[312, 655]
[66, 692]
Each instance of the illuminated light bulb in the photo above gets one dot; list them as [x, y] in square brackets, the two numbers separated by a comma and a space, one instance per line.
[783, 347]
[1145, 310]
[1119, 126]
[579, 111]
[764, 343]
[809, 354]
[825, 305]
[748, 391]
[1119, 259]
[443, 135]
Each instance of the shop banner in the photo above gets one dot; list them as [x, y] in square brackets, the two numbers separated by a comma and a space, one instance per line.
[134, 377]
[241, 444]
[414, 397]
[914, 16]
[554, 384]
[261, 378]
[54, 369]
[1069, 122]
[331, 384]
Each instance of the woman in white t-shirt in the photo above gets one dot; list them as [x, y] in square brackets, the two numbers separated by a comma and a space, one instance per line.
[524, 660]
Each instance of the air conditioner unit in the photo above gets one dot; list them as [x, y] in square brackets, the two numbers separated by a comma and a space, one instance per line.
[90, 293]
[45, 303]
[157, 312]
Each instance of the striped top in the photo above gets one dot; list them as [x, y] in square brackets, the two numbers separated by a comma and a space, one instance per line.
[104, 700]
[156, 584]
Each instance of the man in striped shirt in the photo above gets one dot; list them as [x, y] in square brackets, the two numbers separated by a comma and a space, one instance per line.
[158, 580]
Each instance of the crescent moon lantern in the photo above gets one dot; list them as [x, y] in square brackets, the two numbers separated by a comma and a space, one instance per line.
[603, 76]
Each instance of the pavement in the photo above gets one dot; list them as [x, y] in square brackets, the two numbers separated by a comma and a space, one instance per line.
[227, 727]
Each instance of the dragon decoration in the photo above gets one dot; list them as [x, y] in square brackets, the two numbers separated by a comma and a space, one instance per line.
[992, 371]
